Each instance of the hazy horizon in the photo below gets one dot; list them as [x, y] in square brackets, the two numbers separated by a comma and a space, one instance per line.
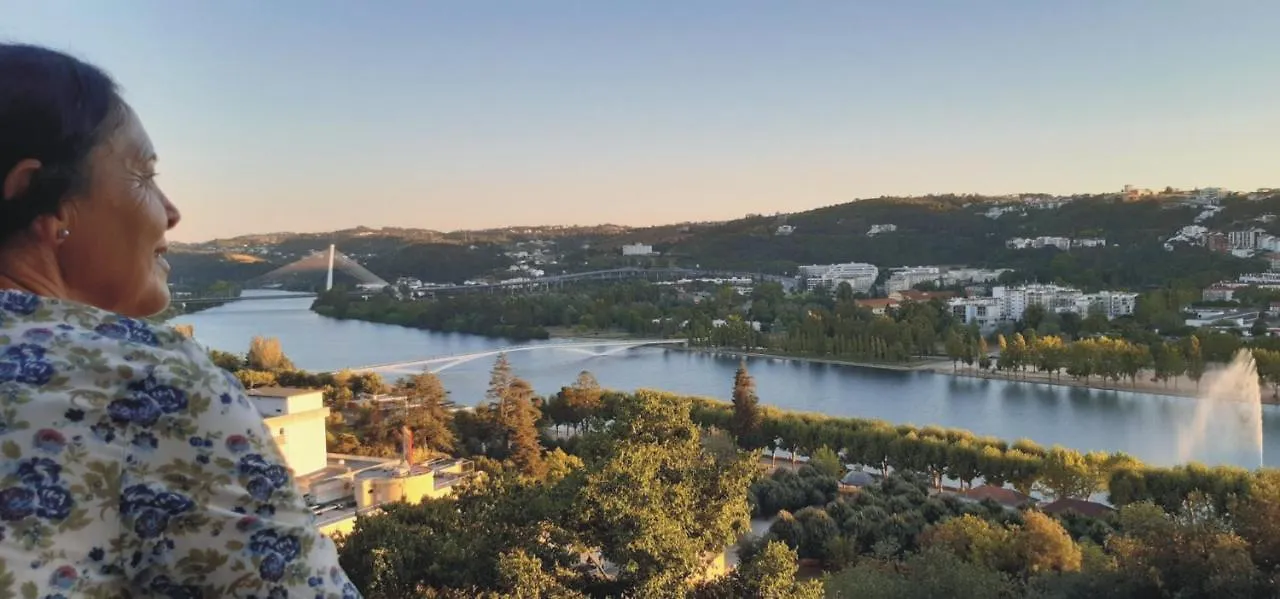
[313, 116]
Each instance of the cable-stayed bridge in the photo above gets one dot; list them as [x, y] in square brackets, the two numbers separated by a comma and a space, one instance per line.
[436, 364]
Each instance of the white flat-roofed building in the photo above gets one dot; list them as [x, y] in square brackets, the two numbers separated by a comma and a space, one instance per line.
[1112, 303]
[908, 277]
[985, 312]
[859, 275]
[637, 249]
[296, 419]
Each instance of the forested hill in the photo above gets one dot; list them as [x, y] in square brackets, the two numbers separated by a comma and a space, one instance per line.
[940, 230]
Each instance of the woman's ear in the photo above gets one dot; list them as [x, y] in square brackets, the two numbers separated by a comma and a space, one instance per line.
[18, 179]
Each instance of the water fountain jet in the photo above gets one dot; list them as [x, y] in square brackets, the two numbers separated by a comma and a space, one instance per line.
[1233, 388]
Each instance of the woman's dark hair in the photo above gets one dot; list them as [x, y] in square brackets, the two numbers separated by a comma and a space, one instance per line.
[53, 108]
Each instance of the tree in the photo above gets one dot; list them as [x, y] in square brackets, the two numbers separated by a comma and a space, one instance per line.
[226, 360]
[1195, 360]
[499, 378]
[265, 354]
[427, 415]
[654, 502]
[583, 398]
[745, 425]
[826, 462]
[769, 574]
[519, 420]
[1042, 545]
[1259, 327]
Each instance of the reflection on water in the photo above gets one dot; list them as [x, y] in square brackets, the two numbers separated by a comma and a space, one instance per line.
[1142, 425]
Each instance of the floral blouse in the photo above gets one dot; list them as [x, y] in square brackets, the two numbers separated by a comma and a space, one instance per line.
[134, 467]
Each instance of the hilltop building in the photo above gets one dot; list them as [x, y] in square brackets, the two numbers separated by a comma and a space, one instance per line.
[637, 249]
[338, 486]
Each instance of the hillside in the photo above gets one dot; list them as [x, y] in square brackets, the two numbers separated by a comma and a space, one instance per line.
[941, 229]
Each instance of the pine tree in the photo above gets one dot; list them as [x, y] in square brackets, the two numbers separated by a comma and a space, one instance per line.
[520, 423]
[499, 379]
[745, 423]
[427, 416]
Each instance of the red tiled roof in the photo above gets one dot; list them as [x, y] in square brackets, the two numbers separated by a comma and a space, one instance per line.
[1000, 495]
[1079, 506]
[879, 302]
[916, 295]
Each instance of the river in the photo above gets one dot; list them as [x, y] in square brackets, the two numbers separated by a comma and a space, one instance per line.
[1143, 425]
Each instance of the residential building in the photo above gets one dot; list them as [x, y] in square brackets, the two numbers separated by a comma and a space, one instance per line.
[879, 305]
[915, 295]
[339, 486]
[983, 311]
[296, 419]
[1273, 260]
[784, 230]
[1221, 292]
[1111, 303]
[1010, 303]
[1082, 507]
[859, 275]
[1209, 196]
[1217, 242]
[637, 249]
[1245, 240]
[878, 229]
[1089, 242]
[905, 278]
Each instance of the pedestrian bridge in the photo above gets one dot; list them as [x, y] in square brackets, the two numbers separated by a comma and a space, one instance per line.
[437, 364]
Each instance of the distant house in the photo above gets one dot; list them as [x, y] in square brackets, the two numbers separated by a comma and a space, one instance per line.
[1065, 505]
[915, 295]
[878, 306]
[1006, 497]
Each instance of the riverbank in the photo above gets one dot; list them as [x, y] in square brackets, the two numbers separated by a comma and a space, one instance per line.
[919, 365]
[1180, 387]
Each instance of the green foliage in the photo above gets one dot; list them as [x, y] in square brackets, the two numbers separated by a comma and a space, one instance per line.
[646, 498]
[745, 424]
[827, 462]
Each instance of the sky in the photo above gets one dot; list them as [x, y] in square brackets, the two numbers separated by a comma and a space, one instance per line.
[293, 115]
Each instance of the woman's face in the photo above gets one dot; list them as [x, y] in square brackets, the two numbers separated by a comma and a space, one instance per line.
[113, 255]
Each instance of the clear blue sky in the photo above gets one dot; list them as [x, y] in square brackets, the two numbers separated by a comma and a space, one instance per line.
[313, 115]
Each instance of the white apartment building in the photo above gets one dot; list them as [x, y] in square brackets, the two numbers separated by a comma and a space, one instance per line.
[637, 249]
[296, 419]
[1089, 242]
[1010, 303]
[859, 275]
[1245, 240]
[878, 229]
[1112, 303]
[908, 277]
[982, 311]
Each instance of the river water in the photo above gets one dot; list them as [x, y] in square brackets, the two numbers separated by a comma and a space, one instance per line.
[1143, 425]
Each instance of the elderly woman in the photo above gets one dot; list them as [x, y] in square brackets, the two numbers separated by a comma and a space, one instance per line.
[132, 465]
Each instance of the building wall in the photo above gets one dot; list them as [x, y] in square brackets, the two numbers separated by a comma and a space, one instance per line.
[339, 527]
[301, 438]
[376, 491]
[276, 406]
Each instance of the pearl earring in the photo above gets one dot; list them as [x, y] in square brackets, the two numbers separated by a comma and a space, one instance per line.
[63, 233]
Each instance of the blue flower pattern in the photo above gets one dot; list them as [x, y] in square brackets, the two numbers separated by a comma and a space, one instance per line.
[164, 447]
